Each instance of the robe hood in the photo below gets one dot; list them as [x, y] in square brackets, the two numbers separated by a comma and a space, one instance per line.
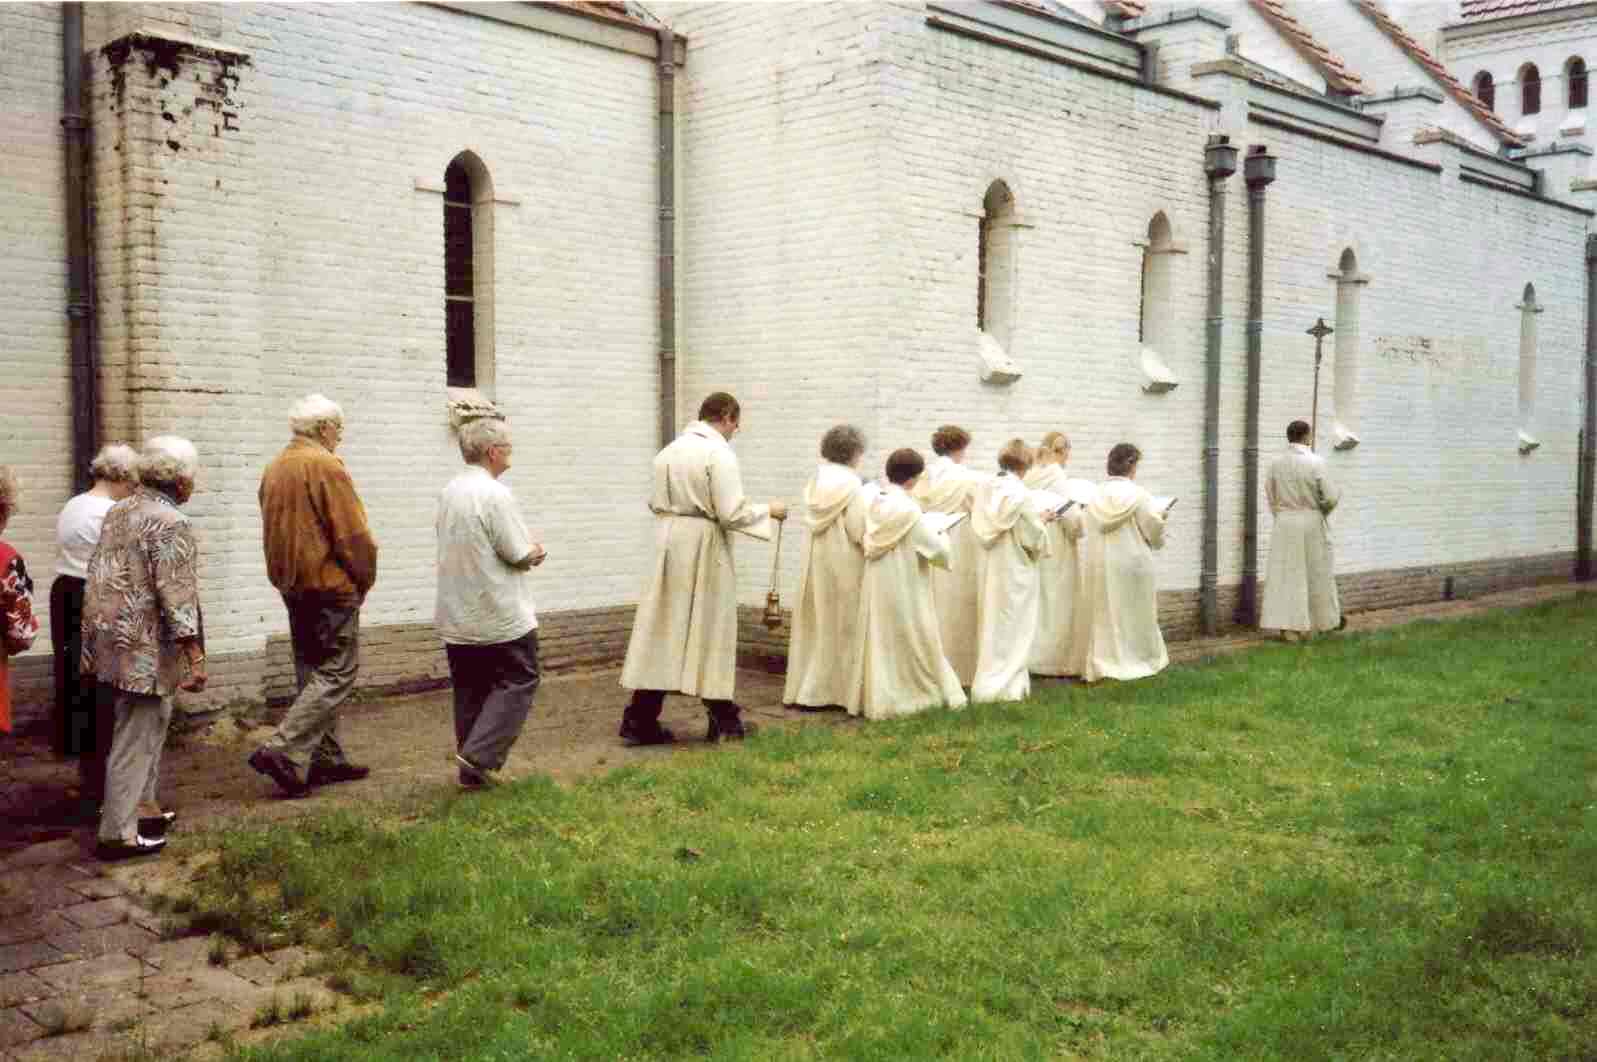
[996, 507]
[1046, 477]
[1117, 501]
[827, 495]
[946, 486]
[892, 515]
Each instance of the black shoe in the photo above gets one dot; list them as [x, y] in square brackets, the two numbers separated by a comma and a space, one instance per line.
[1342, 626]
[473, 777]
[155, 826]
[333, 773]
[141, 846]
[732, 730]
[655, 735]
[277, 767]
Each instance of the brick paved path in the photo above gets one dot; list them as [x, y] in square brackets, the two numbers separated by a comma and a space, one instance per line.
[85, 972]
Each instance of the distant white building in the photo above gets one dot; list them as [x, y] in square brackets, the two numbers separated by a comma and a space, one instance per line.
[992, 213]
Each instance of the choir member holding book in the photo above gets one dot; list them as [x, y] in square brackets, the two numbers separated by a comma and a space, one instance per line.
[1012, 533]
[1124, 525]
[1063, 621]
[947, 486]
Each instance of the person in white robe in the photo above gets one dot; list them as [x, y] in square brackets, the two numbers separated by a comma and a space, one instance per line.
[947, 486]
[821, 652]
[1300, 580]
[1123, 528]
[901, 668]
[1064, 623]
[1013, 534]
[684, 636]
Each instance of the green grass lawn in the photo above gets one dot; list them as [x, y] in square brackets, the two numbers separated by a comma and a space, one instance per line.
[1371, 847]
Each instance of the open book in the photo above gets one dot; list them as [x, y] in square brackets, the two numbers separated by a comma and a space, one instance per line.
[1049, 502]
[1163, 503]
[943, 522]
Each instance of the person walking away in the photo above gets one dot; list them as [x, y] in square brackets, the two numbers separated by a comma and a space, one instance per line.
[1300, 594]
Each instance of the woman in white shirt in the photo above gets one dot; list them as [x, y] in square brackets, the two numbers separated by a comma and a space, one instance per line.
[78, 730]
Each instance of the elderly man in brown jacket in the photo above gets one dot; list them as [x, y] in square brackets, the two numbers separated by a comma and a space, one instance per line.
[321, 557]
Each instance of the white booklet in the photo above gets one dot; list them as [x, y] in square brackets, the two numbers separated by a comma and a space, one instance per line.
[1163, 503]
[943, 522]
[1049, 502]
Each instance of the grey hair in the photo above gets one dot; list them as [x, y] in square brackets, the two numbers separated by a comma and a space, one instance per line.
[312, 413]
[166, 460]
[116, 463]
[842, 444]
[10, 489]
[476, 436]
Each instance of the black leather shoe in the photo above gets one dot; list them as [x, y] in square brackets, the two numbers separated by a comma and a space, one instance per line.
[141, 846]
[277, 767]
[333, 773]
[656, 735]
[733, 730]
[155, 826]
[1342, 625]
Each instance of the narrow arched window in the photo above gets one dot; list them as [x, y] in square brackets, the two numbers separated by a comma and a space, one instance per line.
[1530, 89]
[468, 273]
[1528, 309]
[1575, 79]
[1153, 320]
[1486, 89]
[995, 264]
[1345, 368]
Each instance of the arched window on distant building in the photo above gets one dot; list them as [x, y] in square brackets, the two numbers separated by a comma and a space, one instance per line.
[1530, 89]
[1575, 80]
[1528, 309]
[1345, 369]
[1486, 89]
[468, 273]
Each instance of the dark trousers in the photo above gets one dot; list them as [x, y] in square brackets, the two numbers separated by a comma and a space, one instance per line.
[83, 720]
[494, 685]
[643, 713]
[325, 633]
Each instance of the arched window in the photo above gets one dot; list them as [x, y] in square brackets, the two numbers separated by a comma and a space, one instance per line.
[1155, 313]
[1345, 369]
[1575, 79]
[468, 273]
[1530, 89]
[995, 264]
[1528, 309]
[1486, 89]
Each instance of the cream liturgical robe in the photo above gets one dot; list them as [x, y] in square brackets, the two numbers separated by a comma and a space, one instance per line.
[820, 656]
[1122, 531]
[949, 487]
[900, 669]
[1064, 622]
[1300, 580]
[1010, 531]
[684, 637]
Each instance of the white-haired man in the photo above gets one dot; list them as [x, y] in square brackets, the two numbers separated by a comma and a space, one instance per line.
[485, 613]
[320, 555]
[141, 632]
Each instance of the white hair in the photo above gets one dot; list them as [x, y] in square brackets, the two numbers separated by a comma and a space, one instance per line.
[116, 463]
[477, 435]
[166, 460]
[10, 488]
[312, 413]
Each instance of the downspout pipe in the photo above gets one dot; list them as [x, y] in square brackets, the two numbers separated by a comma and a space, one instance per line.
[1588, 451]
[80, 303]
[665, 70]
[1258, 170]
[1219, 162]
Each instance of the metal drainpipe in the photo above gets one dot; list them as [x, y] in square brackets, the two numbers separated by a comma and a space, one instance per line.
[1588, 455]
[1259, 171]
[1219, 162]
[666, 78]
[80, 304]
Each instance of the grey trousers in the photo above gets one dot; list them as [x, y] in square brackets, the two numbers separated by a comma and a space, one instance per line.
[326, 639]
[494, 685]
[134, 765]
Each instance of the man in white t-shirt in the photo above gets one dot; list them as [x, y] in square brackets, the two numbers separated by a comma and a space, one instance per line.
[485, 613]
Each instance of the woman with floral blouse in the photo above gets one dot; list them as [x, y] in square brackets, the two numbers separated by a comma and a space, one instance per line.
[18, 627]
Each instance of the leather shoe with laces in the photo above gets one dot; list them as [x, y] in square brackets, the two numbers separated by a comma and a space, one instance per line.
[333, 773]
[279, 769]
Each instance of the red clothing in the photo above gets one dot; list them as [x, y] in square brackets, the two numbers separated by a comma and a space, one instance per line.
[18, 625]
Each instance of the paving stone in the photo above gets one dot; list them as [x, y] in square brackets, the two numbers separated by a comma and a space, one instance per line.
[37, 889]
[17, 1028]
[91, 973]
[75, 1047]
[98, 888]
[321, 997]
[214, 982]
[33, 926]
[257, 970]
[88, 943]
[26, 955]
[62, 1014]
[174, 1030]
[49, 853]
[97, 914]
[178, 956]
[21, 987]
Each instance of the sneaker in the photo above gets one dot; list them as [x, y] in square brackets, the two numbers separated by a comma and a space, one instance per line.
[279, 769]
[634, 736]
[109, 851]
[333, 773]
[471, 776]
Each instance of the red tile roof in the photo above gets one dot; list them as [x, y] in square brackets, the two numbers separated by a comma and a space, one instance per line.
[1127, 8]
[1481, 10]
[609, 10]
[1339, 77]
[1438, 72]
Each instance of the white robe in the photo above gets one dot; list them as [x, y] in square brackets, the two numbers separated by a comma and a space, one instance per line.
[901, 668]
[1064, 622]
[1012, 535]
[820, 655]
[684, 637]
[948, 487]
[1122, 531]
[1300, 579]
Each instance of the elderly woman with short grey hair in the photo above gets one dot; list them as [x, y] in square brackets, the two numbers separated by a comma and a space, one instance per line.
[82, 725]
[18, 627]
[142, 637]
[824, 645]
